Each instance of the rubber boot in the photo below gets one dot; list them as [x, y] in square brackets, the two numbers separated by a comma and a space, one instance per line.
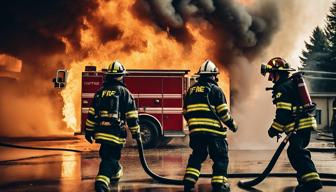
[309, 187]
[189, 187]
[221, 187]
[101, 187]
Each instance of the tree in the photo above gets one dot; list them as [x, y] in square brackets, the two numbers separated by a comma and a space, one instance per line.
[331, 36]
[316, 54]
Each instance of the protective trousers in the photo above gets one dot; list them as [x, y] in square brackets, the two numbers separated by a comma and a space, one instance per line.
[300, 158]
[109, 170]
[217, 148]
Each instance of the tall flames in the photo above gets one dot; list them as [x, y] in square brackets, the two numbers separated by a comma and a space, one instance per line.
[140, 46]
[141, 34]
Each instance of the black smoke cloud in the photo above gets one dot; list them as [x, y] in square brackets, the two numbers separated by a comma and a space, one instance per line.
[35, 32]
[237, 30]
[33, 28]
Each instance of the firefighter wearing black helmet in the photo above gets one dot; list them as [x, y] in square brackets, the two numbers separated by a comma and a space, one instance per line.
[205, 109]
[112, 107]
[290, 117]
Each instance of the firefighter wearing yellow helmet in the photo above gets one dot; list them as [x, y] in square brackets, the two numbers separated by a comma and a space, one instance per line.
[290, 117]
[205, 109]
[112, 107]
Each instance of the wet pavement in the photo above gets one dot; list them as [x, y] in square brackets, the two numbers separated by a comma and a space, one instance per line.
[32, 170]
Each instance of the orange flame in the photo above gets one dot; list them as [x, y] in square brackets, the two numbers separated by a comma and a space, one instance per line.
[152, 48]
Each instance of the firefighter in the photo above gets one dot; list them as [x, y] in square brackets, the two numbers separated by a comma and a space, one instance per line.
[112, 107]
[290, 117]
[205, 109]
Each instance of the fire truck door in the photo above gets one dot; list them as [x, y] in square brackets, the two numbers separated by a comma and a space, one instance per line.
[172, 106]
[148, 94]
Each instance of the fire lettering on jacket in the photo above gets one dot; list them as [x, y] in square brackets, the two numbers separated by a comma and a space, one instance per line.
[197, 89]
[108, 93]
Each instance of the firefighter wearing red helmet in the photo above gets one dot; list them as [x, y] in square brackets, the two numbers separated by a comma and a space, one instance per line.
[290, 117]
[112, 107]
[205, 109]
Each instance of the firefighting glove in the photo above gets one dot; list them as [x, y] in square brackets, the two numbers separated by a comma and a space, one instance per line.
[272, 132]
[232, 126]
[136, 136]
[89, 136]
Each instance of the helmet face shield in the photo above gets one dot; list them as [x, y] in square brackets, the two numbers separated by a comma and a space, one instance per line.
[263, 69]
[271, 76]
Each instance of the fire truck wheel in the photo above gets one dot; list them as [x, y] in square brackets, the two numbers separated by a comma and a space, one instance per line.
[149, 133]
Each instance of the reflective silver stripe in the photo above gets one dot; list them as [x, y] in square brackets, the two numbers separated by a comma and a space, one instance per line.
[147, 96]
[167, 96]
[85, 110]
[172, 96]
[88, 95]
[158, 110]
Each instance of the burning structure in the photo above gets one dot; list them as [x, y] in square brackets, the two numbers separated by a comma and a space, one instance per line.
[142, 34]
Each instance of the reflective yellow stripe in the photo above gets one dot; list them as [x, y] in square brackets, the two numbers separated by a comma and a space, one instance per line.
[135, 127]
[310, 176]
[197, 105]
[92, 111]
[219, 179]
[89, 129]
[103, 179]
[222, 107]
[89, 124]
[193, 169]
[132, 114]
[192, 173]
[277, 126]
[204, 123]
[226, 117]
[109, 137]
[198, 109]
[190, 179]
[207, 130]
[284, 105]
[303, 123]
[203, 120]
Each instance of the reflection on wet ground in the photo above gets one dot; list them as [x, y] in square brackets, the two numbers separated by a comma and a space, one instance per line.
[29, 170]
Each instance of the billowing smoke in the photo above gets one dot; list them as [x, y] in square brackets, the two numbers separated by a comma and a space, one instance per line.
[236, 28]
[47, 35]
[36, 32]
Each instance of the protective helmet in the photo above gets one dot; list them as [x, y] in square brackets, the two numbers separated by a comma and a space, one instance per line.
[276, 64]
[208, 68]
[116, 69]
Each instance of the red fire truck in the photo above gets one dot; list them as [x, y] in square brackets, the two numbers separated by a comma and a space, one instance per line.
[158, 94]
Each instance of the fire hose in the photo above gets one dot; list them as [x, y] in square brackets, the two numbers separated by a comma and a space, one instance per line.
[161, 179]
[243, 184]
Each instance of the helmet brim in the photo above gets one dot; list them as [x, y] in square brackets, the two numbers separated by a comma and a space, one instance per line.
[116, 74]
[207, 73]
